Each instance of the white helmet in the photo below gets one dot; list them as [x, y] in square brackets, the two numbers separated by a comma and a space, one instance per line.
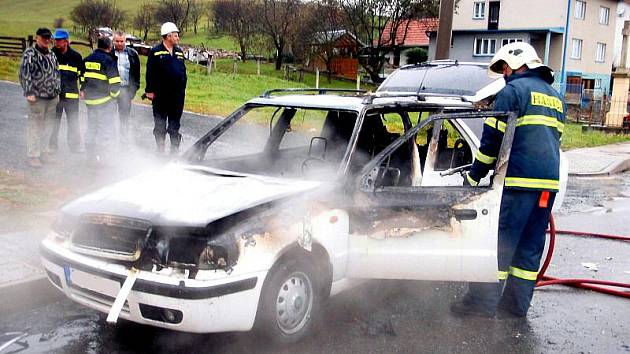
[515, 55]
[167, 28]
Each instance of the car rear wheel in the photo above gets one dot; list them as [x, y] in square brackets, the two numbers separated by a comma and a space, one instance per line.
[289, 302]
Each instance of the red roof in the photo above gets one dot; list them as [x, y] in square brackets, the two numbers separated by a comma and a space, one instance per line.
[416, 32]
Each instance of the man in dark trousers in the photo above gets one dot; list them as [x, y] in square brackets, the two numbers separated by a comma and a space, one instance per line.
[99, 88]
[166, 87]
[70, 67]
[531, 182]
[129, 71]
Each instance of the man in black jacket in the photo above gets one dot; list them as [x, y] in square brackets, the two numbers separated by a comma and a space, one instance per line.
[70, 67]
[100, 86]
[129, 71]
[166, 87]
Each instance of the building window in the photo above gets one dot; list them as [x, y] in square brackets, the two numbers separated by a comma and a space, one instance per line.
[506, 41]
[485, 46]
[479, 10]
[600, 55]
[604, 15]
[598, 84]
[580, 9]
[576, 51]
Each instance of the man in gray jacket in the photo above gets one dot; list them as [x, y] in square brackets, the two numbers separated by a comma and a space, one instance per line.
[41, 82]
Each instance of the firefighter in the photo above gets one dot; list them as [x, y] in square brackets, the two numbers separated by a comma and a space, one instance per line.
[166, 87]
[70, 67]
[100, 86]
[531, 182]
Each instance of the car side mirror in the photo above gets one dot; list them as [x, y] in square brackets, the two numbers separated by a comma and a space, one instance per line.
[317, 148]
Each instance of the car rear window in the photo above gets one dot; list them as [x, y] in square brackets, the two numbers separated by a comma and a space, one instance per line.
[448, 79]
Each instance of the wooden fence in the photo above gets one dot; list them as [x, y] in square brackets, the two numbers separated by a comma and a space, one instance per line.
[13, 46]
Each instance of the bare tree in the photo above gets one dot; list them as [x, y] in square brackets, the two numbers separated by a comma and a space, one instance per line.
[277, 18]
[58, 23]
[92, 14]
[197, 10]
[145, 19]
[379, 23]
[236, 18]
[329, 26]
[176, 11]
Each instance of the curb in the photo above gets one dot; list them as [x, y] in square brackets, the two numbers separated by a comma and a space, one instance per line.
[27, 294]
[612, 169]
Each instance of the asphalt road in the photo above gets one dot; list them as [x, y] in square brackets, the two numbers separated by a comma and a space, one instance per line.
[378, 316]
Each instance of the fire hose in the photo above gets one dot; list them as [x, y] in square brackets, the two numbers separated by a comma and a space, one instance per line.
[601, 286]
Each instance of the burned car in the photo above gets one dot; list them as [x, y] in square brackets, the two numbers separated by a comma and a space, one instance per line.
[288, 201]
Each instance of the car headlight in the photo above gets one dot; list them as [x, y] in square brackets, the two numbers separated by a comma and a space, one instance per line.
[201, 254]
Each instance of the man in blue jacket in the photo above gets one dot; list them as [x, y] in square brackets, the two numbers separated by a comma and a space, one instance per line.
[531, 183]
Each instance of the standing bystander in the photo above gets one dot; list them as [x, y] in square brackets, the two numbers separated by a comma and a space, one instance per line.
[39, 76]
[166, 87]
[129, 70]
[100, 85]
[70, 68]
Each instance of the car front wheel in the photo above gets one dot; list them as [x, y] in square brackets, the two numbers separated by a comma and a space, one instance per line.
[289, 302]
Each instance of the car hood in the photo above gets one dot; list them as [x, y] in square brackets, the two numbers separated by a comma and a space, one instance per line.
[186, 195]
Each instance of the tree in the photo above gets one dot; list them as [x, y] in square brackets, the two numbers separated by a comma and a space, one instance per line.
[276, 20]
[378, 23]
[417, 55]
[176, 11]
[197, 9]
[236, 18]
[145, 19]
[58, 23]
[92, 14]
[329, 27]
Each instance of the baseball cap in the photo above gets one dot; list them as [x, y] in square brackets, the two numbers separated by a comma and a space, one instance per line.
[44, 32]
[61, 33]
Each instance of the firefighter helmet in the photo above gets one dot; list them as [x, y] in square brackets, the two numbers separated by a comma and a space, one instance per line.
[515, 55]
[167, 28]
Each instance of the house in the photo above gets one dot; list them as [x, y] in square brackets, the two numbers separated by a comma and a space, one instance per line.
[409, 35]
[340, 49]
[581, 60]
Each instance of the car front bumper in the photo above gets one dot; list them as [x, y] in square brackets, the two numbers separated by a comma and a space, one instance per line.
[189, 305]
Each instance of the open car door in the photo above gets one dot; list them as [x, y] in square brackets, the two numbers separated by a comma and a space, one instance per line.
[405, 230]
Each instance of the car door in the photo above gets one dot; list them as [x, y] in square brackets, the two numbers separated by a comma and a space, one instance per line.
[400, 230]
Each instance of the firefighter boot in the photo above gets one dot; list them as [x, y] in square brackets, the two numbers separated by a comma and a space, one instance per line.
[176, 139]
[159, 142]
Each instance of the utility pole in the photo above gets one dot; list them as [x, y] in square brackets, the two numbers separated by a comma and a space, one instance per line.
[445, 27]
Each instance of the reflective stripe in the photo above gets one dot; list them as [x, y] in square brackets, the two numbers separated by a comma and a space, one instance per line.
[532, 183]
[502, 275]
[96, 76]
[471, 180]
[481, 157]
[114, 94]
[114, 80]
[72, 95]
[496, 124]
[523, 274]
[82, 79]
[540, 99]
[540, 120]
[68, 68]
[161, 52]
[98, 100]
[92, 65]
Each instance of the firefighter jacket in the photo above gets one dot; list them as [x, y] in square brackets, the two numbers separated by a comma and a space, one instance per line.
[71, 68]
[100, 81]
[534, 162]
[166, 73]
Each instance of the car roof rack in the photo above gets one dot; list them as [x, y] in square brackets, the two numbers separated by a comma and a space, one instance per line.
[319, 91]
[421, 96]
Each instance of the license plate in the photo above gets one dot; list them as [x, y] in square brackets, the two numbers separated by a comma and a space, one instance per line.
[67, 272]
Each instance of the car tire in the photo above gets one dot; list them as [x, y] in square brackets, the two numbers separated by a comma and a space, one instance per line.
[289, 303]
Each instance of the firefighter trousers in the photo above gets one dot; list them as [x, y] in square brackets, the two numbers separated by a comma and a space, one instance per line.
[167, 113]
[523, 221]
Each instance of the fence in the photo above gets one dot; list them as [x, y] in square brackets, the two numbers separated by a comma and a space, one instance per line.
[13, 46]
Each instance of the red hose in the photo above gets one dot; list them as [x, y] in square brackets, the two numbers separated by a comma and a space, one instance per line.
[544, 280]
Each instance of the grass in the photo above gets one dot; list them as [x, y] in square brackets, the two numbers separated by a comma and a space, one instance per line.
[574, 138]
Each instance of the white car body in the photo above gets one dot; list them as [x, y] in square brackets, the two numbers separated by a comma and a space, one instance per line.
[446, 232]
